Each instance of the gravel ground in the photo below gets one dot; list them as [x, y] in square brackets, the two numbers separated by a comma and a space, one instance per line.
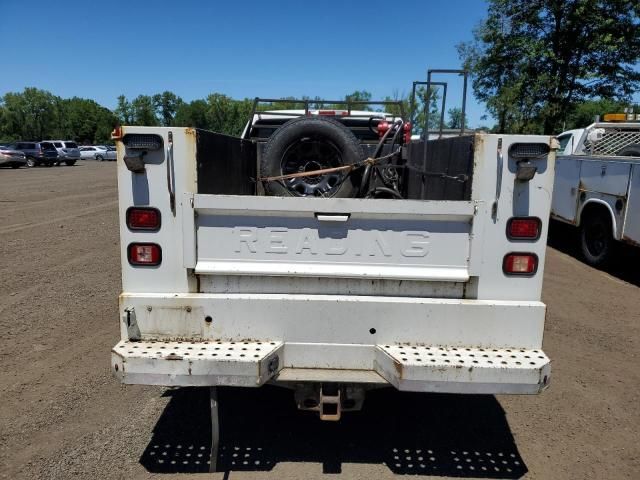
[63, 416]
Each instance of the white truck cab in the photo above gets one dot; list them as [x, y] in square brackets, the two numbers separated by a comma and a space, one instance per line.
[415, 266]
[570, 141]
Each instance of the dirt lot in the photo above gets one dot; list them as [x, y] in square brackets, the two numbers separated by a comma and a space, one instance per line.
[63, 416]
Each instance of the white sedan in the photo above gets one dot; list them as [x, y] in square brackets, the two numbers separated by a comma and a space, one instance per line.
[97, 152]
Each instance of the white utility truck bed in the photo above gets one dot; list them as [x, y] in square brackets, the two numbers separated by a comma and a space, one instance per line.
[434, 287]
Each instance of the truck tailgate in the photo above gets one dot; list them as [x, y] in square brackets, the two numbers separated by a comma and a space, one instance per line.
[338, 238]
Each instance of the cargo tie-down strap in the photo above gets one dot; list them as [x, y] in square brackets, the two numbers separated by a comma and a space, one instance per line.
[345, 168]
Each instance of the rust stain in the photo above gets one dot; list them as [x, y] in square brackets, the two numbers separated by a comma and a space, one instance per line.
[190, 131]
[581, 186]
[167, 339]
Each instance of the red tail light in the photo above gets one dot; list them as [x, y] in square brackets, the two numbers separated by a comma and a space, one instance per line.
[524, 228]
[144, 254]
[525, 264]
[143, 218]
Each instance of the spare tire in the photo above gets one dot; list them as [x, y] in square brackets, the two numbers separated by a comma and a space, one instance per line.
[632, 150]
[306, 144]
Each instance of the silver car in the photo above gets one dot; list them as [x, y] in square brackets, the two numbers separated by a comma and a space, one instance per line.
[106, 152]
[68, 151]
[12, 158]
[97, 152]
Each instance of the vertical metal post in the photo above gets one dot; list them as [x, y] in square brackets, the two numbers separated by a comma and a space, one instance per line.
[215, 429]
[426, 110]
[444, 102]
[247, 134]
[426, 134]
[464, 101]
[412, 104]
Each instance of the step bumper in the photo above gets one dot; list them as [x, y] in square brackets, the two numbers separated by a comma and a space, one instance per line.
[412, 368]
[241, 364]
[463, 370]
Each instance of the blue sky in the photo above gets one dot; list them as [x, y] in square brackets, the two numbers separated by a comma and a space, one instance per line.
[243, 48]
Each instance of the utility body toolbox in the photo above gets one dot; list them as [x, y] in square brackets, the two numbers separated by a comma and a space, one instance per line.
[430, 284]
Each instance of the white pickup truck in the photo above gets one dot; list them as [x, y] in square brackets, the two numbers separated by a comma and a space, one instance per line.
[326, 252]
[597, 185]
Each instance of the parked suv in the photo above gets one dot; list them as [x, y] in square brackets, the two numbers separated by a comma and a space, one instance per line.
[68, 151]
[37, 153]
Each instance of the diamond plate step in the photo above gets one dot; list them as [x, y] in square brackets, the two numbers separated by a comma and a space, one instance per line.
[207, 363]
[463, 370]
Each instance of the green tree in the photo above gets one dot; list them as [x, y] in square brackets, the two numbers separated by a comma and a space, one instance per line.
[284, 103]
[84, 120]
[166, 105]
[359, 96]
[455, 119]
[123, 111]
[30, 115]
[226, 115]
[192, 114]
[418, 115]
[584, 113]
[144, 111]
[533, 60]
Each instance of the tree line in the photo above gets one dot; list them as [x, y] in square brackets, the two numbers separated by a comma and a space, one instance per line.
[35, 114]
[38, 115]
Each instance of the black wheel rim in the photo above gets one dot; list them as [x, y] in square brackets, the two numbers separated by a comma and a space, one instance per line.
[596, 239]
[307, 155]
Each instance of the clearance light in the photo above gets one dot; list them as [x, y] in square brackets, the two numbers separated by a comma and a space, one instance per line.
[524, 264]
[529, 150]
[615, 117]
[143, 218]
[136, 141]
[144, 254]
[523, 228]
[621, 117]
